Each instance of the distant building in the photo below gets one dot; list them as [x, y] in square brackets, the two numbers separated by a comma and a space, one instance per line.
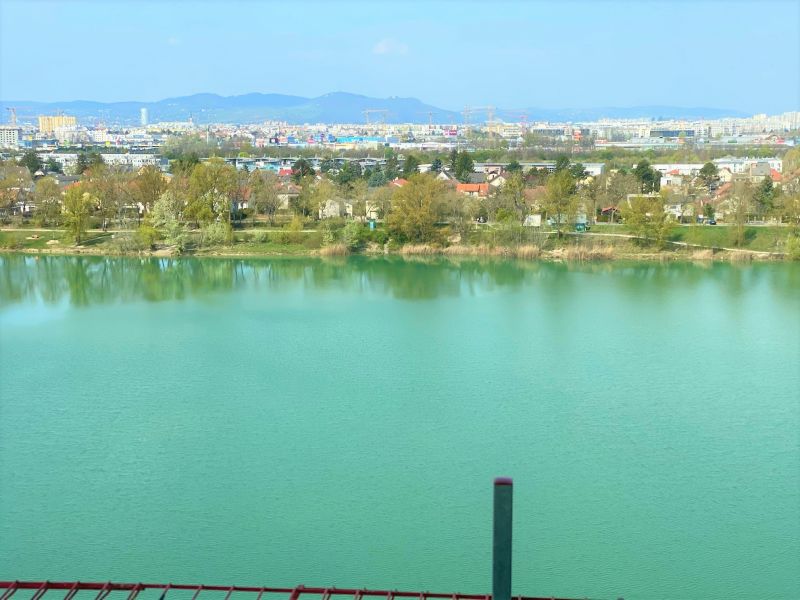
[9, 136]
[143, 117]
[49, 123]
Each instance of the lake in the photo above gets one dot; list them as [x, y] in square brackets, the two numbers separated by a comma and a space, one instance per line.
[339, 422]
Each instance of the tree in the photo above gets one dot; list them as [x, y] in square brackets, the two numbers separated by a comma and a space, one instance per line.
[88, 160]
[514, 166]
[646, 218]
[350, 172]
[708, 212]
[380, 201]
[78, 206]
[739, 206]
[410, 165]
[264, 194]
[511, 196]
[559, 200]
[31, 160]
[464, 166]
[377, 178]
[649, 179]
[53, 166]
[413, 216]
[537, 176]
[326, 165]
[166, 216]
[452, 160]
[212, 184]
[708, 174]
[357, 194]
[47, 199]
[147, 186]
[391, 168]
[300, 169]
[764, 197]
[111, 186]
[436, 165]
[562, 163]
[578, 171]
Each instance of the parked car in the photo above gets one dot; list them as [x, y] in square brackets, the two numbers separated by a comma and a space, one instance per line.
[712, 221]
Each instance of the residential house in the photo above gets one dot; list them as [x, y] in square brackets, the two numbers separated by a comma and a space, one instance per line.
[334, 208]
[287, 193]
[477, 190]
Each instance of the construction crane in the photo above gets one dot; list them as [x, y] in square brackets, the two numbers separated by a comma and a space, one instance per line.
[12, 115]
[375, 111]
[470, 110]
[430, 117]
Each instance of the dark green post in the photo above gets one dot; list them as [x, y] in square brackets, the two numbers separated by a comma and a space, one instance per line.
[501, 546]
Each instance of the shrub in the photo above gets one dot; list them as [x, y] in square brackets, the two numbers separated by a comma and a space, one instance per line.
[261, 237]
[215, 234]
[294, 231]
[793, 247]
[146, 236]
[352, 235]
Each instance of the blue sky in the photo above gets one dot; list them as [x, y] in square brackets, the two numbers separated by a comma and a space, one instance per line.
[739, 55]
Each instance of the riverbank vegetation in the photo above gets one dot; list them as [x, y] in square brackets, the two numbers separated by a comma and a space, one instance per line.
[209, 207]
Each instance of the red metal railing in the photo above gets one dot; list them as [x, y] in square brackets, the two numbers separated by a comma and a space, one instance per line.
[104, 589]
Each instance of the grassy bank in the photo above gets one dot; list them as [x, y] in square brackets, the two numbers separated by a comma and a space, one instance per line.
[604, 242]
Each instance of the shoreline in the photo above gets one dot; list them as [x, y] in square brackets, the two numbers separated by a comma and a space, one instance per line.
[523, 253]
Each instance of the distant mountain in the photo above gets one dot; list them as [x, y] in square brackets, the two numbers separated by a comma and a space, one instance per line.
[336, 107]
[616, 112]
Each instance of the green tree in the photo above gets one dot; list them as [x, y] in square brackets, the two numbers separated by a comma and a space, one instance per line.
[708, 174]
[147, 186]
[464, 166]
[391, 168]
[452, 160]
[739, 205]
[47, 199]
[646, 218]
[377, 178]
[212, 185]
[31, 161]
[436, 165]
[511, 196]
[764, 197]
[413, 216]
[326, 165]
[78, 206]
[166, 216]
[350, 172]
[53, 166]
[264, 194]
[649, 179]
[410, 165]
[88, 160]
[514, 166]
[577, 170]
[300, 169]
[562, 163]
[560, 202]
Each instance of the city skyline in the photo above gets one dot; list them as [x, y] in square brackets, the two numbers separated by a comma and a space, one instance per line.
[446, 54]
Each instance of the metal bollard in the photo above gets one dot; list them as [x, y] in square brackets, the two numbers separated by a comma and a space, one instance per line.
[501, 546]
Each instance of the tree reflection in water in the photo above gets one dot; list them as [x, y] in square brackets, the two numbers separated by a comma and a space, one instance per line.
[98, 280]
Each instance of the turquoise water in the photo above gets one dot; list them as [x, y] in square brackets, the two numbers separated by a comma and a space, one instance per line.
[340, 422]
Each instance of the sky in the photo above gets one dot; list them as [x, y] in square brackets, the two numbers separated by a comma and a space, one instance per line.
[567, 54]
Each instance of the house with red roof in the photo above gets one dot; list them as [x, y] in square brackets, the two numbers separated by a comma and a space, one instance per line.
[479, 190]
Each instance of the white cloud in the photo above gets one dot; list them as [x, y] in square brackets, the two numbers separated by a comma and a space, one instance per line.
[389, 46]
[173, 41]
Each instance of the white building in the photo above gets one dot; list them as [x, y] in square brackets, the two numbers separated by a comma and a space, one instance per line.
[9, 136]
